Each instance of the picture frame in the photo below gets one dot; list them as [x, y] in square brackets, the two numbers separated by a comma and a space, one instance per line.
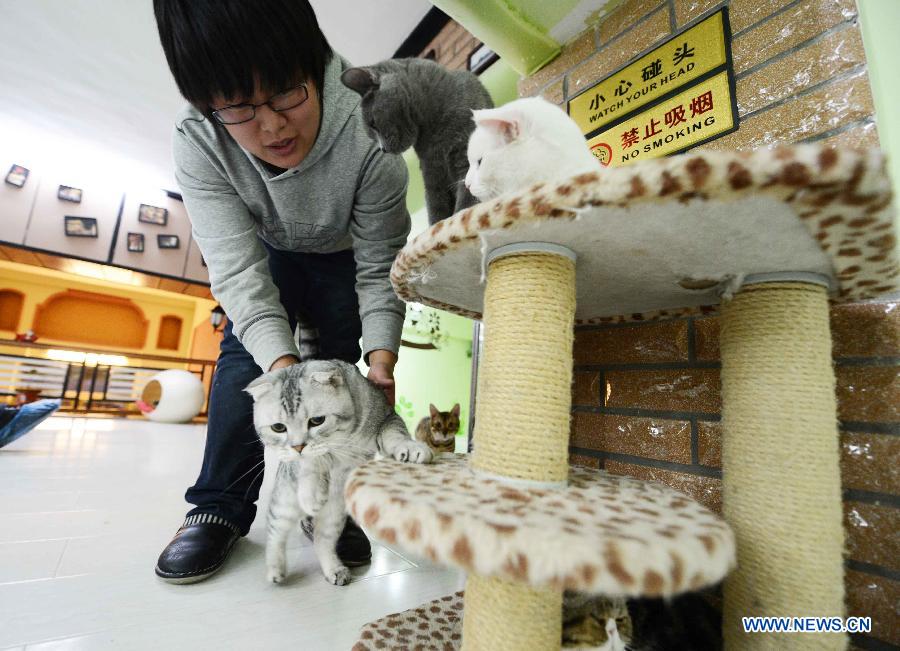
[17, 175]
[81, 226]
[168, 242]
[135, 242]
[67, 193]
[480, 59]
[155, 215]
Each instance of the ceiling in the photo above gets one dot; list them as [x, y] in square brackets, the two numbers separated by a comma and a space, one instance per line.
[87, 92]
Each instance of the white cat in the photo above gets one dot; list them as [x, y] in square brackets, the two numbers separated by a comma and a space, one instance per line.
[521, 143]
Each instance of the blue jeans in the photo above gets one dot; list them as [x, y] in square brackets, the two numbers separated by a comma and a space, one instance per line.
[18, 421]
[323, 288]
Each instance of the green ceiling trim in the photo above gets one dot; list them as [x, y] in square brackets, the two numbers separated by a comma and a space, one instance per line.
[504, 28]
[545, 14]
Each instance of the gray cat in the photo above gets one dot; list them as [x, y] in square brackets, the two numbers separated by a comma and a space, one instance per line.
[418, 103]
[322, 418]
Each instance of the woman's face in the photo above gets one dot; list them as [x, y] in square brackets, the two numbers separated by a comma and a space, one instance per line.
[280, 138]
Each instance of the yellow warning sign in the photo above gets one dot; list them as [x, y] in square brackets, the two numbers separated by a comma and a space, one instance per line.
[701, 112]
[677, 62]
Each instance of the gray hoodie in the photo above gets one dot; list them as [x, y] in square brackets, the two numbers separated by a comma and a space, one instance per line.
[345, 193]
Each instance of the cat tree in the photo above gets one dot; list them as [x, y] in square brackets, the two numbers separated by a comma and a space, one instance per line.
[769, 233]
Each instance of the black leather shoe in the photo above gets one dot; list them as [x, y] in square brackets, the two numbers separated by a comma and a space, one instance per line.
[353, 548]
[198, 550]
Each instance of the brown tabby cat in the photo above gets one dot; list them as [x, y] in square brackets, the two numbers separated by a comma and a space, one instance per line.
[439, 430]
[596, 623]
[685, 623]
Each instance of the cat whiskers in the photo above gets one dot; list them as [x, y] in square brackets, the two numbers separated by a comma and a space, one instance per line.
[351, 446]
[255, 440]
[247, 492]
[347, 451]
[259, 463]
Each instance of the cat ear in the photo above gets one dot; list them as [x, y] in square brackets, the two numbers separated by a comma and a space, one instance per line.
[260, 386]
[434, 411]
[505, 125]
[362, 80]
[328, 378]
[455, 410]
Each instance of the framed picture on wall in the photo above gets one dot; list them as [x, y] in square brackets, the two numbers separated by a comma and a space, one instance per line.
[136, 242]
[153, 215]
[17, 176]
[480, 59]
[81, 226]
[168, 241]
[65, 193]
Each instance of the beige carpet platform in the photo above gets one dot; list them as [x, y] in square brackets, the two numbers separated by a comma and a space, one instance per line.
[662, 238]
[435, 626]
[601, 533]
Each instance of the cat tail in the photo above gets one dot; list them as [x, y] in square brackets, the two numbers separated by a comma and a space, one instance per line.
[307, 338]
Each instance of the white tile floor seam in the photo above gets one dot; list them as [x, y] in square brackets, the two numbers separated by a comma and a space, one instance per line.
[86, 506]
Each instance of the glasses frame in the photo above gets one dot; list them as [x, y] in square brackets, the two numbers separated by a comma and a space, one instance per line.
[268, 103]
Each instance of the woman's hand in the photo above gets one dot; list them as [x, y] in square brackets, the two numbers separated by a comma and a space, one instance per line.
[381, 372]
[283, 361]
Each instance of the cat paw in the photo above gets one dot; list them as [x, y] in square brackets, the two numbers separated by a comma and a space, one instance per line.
[413, 452]
[275, 574]
[320, 499]
[341, 576]
[312, 501]
[311, 507]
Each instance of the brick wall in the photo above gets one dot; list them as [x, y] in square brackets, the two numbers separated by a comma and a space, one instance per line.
[646, 398]
[646, 403]
[799, 65]
[452, 46]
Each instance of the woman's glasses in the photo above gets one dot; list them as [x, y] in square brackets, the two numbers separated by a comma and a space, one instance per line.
[283, 101]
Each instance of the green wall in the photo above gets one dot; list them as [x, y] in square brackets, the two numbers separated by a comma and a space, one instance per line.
[879, 21]
[436, 376]
[501, 81]
[442, 376]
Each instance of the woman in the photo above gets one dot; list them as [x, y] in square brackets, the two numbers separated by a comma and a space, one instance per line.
[296, 211]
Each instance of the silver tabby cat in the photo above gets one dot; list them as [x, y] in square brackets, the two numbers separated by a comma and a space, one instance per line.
[322, 418]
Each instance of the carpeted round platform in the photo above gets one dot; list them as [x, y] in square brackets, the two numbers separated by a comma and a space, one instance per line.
[602, 533]
[665, 237]
[434, 626]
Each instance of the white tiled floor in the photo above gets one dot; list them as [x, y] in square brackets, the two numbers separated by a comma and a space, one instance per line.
[86, 505]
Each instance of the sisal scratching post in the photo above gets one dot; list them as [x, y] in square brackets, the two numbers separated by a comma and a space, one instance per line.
[505, 616]
[524, 391]
[780, 453]
[522, 425]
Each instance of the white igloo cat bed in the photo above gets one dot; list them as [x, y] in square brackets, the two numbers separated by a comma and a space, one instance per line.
[768, 233]
[172, 396]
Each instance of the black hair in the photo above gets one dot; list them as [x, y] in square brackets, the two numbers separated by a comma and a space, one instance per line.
[225, 47]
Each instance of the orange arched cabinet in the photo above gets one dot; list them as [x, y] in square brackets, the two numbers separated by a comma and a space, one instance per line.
[169, 337]
[90, 318]
[11, 302]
